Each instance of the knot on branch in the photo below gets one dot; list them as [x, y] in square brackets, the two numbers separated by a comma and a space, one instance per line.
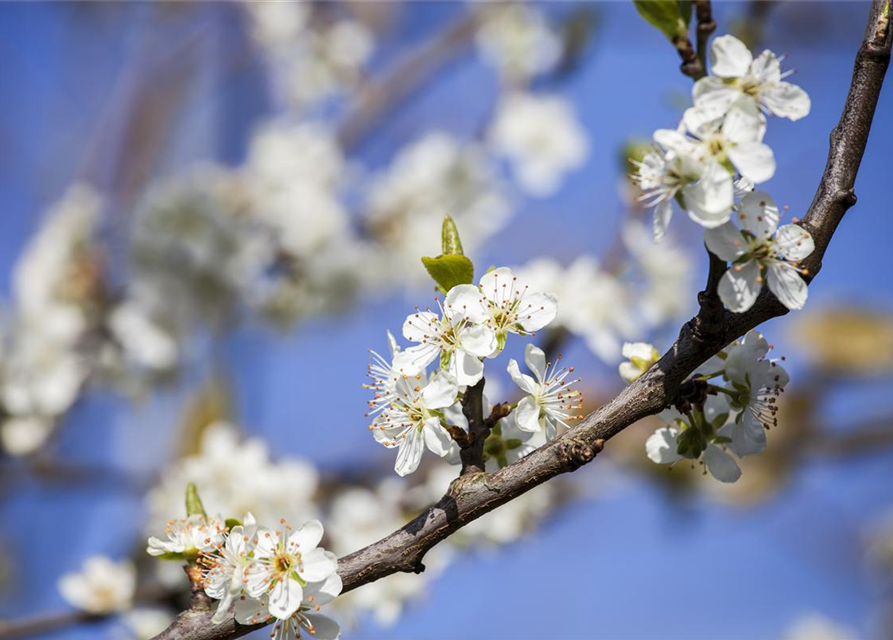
[692, 393]
[577, 453]
[847, 197]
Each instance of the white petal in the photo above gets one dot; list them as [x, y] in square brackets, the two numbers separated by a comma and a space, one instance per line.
[662, 214]
[478, 340]
[766, 68]
[709, 200]
[441, 391]
[410, 453]
[676, 141]
[754, 160]
[739, 286]
[415, 359]
[729, 57]
[748, 436]
[714, 97]
[437, 438]
[324, 628]
[324, 592]
[793, 242]
[251, 611]
[758, 214]
[494, 283]
[307, 537]
[527, 384]
[725, 242]
[721, 465]
[785, 100]
[744, 123]
[527, 415]
[661, 446]
[535, 359]
[466, 301]
[716, 406]
[628, 371]
[421, 326]
[317, 565]
[537, 310]
[788, 286]
[285, 598]
[466, 368]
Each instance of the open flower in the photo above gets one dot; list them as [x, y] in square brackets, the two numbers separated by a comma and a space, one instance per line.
[760, 251]
[103, 586]
[384, 377]
[284, 562]
[551, 401]
[662, 175]
[306, 618]
[640, 355]
[413, 419]
[188, 535]
[507, 444]
[736, 75]
[512, 308]
[224, 567]
[458, 336]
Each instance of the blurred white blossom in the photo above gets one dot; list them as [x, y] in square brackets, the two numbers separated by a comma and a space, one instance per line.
[518, 41]
[103, 586]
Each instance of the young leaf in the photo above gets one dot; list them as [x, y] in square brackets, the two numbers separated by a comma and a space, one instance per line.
[671, 17]
[194, 505]
[449, 270]
[452, 245]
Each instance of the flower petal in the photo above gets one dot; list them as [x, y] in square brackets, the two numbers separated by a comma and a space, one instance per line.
[478, 340]
[725, 242]
[441, 391]
[661, 446]
[527, 415]
[709, 200]
[415, 359]
[739, 286]
[713, 96]
[527, 384]
[410, 453]
[758, 214]
[420, 326]
[535, 359]
[324, 628]
[437, 438]
[251, 611]
[721, 465]
[465, 301]
[729, 57]
[754, 160]
[324, 592]
[788, 286]
[307, 537]
[662, 214]
[793, 242]
[785, 100]
[285, 598]
[466, 368]
[317, 565]
[495, 284]
[537, 310]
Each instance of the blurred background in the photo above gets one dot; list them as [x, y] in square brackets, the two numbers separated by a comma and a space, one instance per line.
[210, 212]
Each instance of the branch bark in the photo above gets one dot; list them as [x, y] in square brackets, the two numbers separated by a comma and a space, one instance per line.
[472, 495]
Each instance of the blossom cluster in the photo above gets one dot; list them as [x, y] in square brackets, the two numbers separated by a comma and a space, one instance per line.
[415, 409]
[276, 574]
[725, 410]
[710, 164]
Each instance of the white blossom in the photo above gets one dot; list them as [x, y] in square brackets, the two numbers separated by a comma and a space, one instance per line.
[304, 619]
[284, 562]
[760, 251]
[103, 586]
[413, 420]
[640, 356]
[518, 41]
[512, 307]
[542, 139]
[550, 401]
[193, 534]
[224, 567]
[736, 76]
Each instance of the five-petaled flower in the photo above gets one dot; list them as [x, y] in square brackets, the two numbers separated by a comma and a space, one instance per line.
[551, 401]
[306, 617]
[190, 535]
[414, 418]
[224, 567]
[512, 308]
[284, 563]
[760, 251]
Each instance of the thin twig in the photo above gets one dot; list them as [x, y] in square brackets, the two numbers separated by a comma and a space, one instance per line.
[478, 429]
[706, 27]
[473, 495]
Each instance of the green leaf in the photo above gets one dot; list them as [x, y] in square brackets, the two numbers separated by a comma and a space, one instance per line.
[449, 270]
[194, 505]
[233, 522]
[671, 17]
[452, 245]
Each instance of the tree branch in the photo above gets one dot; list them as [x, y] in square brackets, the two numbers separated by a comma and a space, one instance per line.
[478, 429]
[475, 494]
[706, 27]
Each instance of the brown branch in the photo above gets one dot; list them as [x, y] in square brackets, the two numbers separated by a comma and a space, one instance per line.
[706, 27]
[478, 429]
[475, 494]
[38, 626]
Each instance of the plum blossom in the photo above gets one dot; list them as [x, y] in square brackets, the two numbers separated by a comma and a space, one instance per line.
[284, 563]
[550, 400]
[518, 41]
[224, 568]
[512, 307]
[413, 420]
[305, 618]
[103, 586]
[384, 377]
[760, 251]
[194, 534]
[542, 139]
[737, 76]
[460, 337]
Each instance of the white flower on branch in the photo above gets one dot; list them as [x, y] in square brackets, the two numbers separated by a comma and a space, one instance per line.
[283, 564]
[191, 535]
[550, 401]
[512, 307]
[737, 76]
[103, 586]
[518, 41]
[414, 419]
[224, 568]
[305, 618]
[542, 139]
[760, 251]
[640, 356]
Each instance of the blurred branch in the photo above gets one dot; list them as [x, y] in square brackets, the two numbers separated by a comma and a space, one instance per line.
[475, 494]
[706, 27]
[38, 626]
[404, 77]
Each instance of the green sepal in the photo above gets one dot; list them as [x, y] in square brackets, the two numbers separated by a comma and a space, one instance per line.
[513, 443]
[449, 271]
[445, 357]
[232, 522]
[194, 506]
[171, 555]
[722, 440]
